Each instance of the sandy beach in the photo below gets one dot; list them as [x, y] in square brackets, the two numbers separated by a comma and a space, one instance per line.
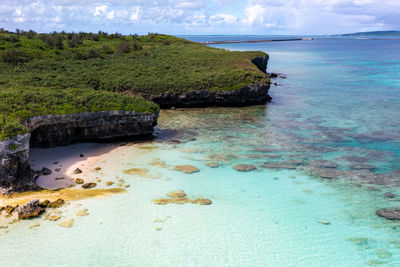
[62, 161]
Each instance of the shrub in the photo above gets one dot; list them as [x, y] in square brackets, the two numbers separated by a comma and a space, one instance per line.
[30, 34]
[166, 42]
[14, 56]
[75, 41]
[124, 48]
[54, 40]
[80, 56]
[107, 49]
[136, 46]
[93, 53]
[13, 38]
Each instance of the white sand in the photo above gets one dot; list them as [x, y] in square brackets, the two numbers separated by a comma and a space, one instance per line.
[68, 158]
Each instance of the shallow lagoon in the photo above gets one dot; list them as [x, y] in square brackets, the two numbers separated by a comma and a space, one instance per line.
[339, 103]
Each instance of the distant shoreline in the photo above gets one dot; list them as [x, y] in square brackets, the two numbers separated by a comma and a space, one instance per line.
[296, 39]
[255, 41]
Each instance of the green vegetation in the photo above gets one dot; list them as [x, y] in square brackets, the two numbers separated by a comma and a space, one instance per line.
[20, 103]
[61, 73]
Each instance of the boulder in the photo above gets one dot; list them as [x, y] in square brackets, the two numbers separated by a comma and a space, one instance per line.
[77, 171]
[79, 181]
[45, 171]
[89, 185]
[30, 209]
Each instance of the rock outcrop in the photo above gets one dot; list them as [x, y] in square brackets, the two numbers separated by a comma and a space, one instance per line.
[255, 94]
[51, 130]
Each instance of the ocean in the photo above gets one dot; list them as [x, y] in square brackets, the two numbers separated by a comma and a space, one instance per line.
[339, 103]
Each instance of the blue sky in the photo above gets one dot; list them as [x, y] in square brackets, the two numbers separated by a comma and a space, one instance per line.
[202, 16]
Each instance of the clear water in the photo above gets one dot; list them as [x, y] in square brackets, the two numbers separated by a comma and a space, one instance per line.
[340, 102]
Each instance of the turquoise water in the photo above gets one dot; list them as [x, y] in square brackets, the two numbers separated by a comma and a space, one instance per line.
[340, 102]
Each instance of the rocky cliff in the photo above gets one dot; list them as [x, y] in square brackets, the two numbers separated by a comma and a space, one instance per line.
[254, 94]
[47, 131]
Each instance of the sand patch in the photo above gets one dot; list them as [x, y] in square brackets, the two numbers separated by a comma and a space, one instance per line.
[68, 194]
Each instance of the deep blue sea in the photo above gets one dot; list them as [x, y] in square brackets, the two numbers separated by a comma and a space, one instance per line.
[339, 103]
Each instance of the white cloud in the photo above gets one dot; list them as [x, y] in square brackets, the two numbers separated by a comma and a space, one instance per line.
[100, 10]
[223, 19]
[136, 15]
[206, 16]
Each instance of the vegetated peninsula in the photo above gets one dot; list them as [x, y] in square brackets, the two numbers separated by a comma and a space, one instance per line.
[63, 87]
[373, 33]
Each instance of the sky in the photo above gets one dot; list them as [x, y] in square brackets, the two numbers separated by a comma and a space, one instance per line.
[178, 17]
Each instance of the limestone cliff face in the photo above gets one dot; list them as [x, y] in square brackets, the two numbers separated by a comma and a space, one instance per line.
[254, 94]
[47, 131]
[261, 63]
[15, 173]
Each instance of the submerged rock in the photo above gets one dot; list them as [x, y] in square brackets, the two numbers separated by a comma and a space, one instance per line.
[390, 214]
[327, 173]
[323, 221]
[278, 166]
[53, 218]
[186, 168]
[34, 225]
[82, 213]
[389, 195]
[202, 201]
[323, 164]
[179, 197]
[30, 209]
[56, 204]
[89, 185]
[362, 166]
[212, 164]
[67, 223]
[244, 167]
[176, 194]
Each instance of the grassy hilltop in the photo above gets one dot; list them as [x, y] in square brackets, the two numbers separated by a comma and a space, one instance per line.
[61, 73]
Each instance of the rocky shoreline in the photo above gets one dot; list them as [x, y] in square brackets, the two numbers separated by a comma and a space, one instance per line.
[48, 131]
